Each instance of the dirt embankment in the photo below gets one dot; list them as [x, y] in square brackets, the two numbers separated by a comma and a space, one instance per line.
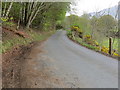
[11, 66]
[13, 59]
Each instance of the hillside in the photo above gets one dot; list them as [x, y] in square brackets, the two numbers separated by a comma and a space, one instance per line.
[112, 11]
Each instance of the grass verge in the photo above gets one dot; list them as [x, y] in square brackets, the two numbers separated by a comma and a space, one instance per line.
[97, 49]
[18, 41]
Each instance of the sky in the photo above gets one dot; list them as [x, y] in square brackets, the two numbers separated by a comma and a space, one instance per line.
[87, 6]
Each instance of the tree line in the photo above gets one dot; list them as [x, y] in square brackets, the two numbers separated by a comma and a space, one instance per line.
[98, 27]
[35, 14]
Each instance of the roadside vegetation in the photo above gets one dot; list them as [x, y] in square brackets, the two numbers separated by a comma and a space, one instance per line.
[23, 25]
[26, 22]
[33, 21]
[17, 41]
[94, 32]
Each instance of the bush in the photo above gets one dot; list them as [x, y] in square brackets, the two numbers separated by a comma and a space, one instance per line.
[76, 28]
[116, 54]
[88, 39]
[7, 21]
[59, 27]
[96, 43]
[69, 32]
[105, 50]
[77, 31]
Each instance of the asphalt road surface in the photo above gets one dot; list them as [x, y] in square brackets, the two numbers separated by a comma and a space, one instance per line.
[66, 64]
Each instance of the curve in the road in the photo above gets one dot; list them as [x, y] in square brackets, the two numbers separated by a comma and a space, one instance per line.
[79, 66]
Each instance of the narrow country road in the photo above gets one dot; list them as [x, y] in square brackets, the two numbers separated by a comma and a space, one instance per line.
[63, 63]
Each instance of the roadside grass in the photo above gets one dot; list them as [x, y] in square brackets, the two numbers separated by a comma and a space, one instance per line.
[99, 48]
[104, 43]
[114, 46]
[18, 41]
[79, 40]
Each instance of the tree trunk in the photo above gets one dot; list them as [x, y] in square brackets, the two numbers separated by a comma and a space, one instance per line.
[20, 15]
[33, 14]
[4, 10]
[35, 11]
[8, 11]
[23, 13]
[36, 14]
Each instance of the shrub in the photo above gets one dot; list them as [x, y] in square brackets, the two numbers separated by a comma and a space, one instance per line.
[116, 54]
[69, 32]
[105, 50]
[98, 48]
[96, 43]
[7, 21]
[87, 37]
[77, 31]
[76, 28]
[4, 19]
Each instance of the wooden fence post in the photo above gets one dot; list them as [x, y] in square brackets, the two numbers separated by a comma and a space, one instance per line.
[110, 45]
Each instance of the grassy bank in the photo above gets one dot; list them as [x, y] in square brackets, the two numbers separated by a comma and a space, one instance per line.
[115, 44]
[94, 45]
[17, 41]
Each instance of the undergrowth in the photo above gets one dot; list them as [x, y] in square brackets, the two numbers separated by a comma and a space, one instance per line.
[18, 41]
